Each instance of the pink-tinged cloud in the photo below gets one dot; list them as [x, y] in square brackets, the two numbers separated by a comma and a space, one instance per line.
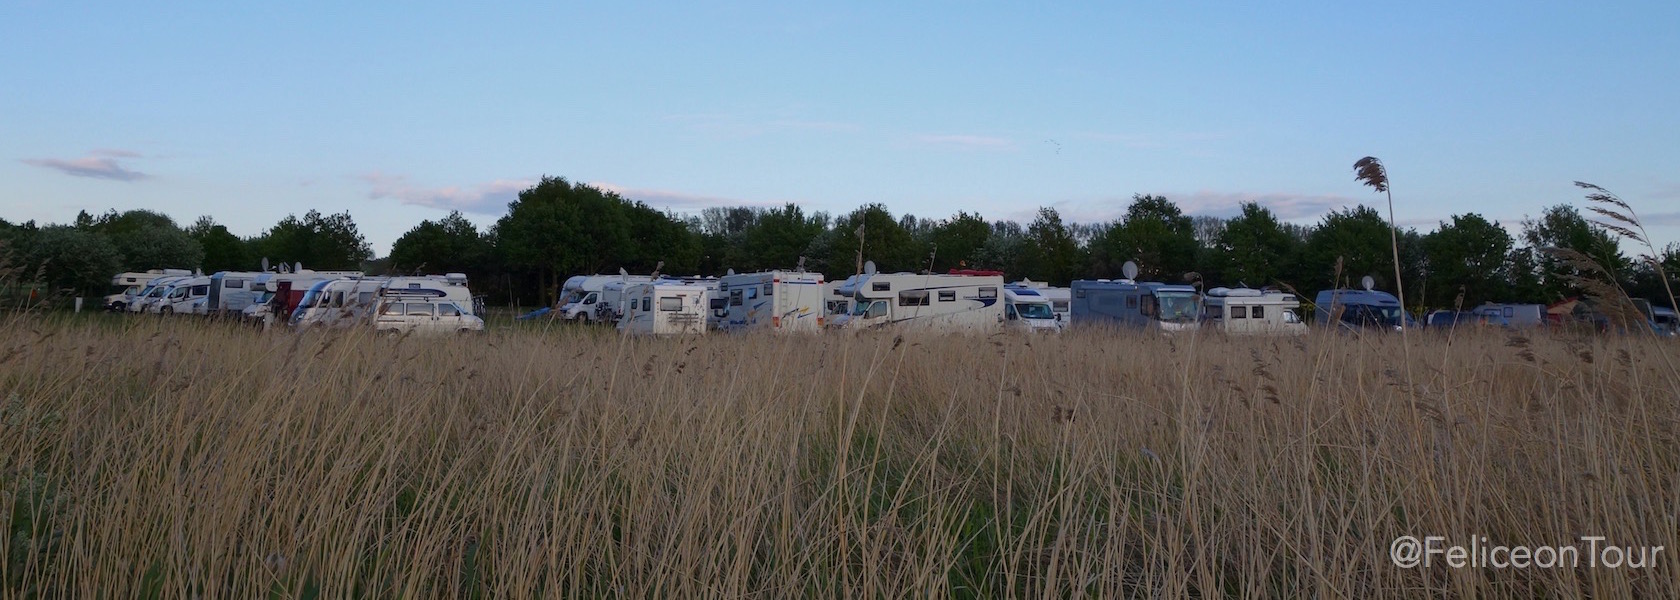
[488, 198]
[99, 164]
[115, 153]
[672, 200]
[976, 142]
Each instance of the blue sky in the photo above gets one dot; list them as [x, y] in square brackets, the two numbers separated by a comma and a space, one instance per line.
[401, 113]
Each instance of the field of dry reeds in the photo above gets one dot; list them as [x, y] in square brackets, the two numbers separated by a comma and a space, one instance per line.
[153, 458]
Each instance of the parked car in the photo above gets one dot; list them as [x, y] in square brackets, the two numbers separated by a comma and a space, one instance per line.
[423, 314]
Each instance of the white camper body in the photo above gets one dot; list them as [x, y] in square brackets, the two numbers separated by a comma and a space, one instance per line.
[130, 284]
[452, 286]
[582, 301]
[339, 302]
[1250, 311]
[1028, 310]
[664, 308]
[151, 293]
[951, 303]
[774, 300]
[232, 291]
[185, 296]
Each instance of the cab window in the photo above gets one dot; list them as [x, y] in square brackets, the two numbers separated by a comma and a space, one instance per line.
[449, 310]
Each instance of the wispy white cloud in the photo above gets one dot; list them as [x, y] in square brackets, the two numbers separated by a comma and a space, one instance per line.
[969, 141]
[484, 198]
[98, 164]
[671, 199]
[1148, 140]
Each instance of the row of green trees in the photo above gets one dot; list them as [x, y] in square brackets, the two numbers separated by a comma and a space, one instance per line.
[556, 229]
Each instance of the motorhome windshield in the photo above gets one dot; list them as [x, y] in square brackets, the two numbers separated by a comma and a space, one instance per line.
[867, 309]
[1034, 311]
[1178, 307]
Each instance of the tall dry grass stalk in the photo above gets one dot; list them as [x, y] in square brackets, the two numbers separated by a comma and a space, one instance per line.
[151, 458]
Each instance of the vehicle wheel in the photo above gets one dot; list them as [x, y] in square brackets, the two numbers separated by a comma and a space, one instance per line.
[119, 307]
[464, 331]
[166, 310]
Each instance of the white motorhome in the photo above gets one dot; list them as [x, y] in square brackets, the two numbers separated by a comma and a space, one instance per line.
[774, 300]
[339, 302]
[837, 296]
[581, 298]
[131, 284]
[277, 294]
[927, 302]
[1251, 311]
[401, 311]
[184, 296]
[151, 293]
[664, 308]
[452, 286]
[1026, 309]
[232, 291]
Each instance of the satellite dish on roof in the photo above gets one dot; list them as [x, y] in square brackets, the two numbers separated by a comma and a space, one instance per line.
[729, 272]
[869, 267]
[1130, 270]
[1368, 282]
[265, 264]
[297, 267]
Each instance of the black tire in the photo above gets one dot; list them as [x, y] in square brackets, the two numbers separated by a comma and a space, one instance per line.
[166, 311]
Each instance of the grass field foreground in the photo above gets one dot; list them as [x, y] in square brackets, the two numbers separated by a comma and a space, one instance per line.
[153, 458]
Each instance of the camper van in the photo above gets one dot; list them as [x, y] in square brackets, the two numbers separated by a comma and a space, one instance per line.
[774, 300]
[401, 311]
[185, 296]
[664, 308]
[1664, 321]
[1251, 311]
[131, 284]
[451, 286]
[837, 296]
[151, 293]
[280, 293]
[1514, 315]
[581, 298]
[1026, 309]
[338, 302]
[1127, 303]
[232, 291]
[1360, 309]
[926, 302]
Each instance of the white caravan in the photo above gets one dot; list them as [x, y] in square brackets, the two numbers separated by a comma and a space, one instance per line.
[131, 284]
[422, 313]
[664, 308]
[232, 291]
[1025, 309]
[1251, 311]
[581, 301]
[927, 302]
[775, 300]
[1517, 315]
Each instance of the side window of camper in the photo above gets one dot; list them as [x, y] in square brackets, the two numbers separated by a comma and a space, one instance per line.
[200, 290]
[670, 303]
[394, 308]
[449, 310]
[769, 289]
[734, 297]
[752, 293]
[1257, 312]
[233, 284]
[338, 299]
[947, 295]
[1510, 312]
[987, 293]
[719, 303]
[1239, 312]
[419, 309]
[1059, 305]
[881, 286]
[1131, 302]
[647, 303]
[1147, 306]
[913, 298]
[364, 298]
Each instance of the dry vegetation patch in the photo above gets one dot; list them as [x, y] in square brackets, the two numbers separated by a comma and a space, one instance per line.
[163, 459]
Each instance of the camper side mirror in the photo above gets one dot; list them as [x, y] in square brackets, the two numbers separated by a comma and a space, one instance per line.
[1058, 316]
